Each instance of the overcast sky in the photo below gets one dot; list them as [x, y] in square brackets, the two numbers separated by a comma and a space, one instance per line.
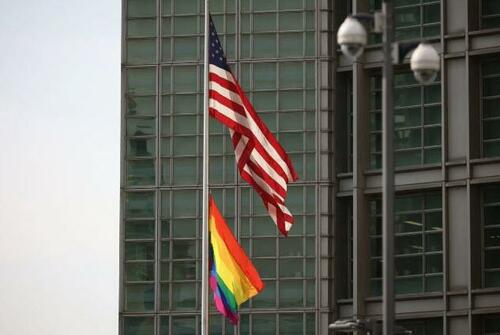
[59, 166]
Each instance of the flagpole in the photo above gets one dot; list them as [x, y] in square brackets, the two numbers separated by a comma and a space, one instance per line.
[204, 244]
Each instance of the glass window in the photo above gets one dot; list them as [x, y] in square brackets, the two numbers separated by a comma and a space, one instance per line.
[423, 327]
[490, 11]
[418, 244]
[138, 325]
[491, 324]
[491, 235]
[414, 19]
[417, 122]
[490, 100]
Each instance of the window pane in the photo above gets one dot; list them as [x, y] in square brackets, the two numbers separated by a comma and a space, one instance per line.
[183, 249]
[291, 293]
[139, 251]
[139, 229]
[140, 204]
[140, 105]
[140, 172]
[291, 44]
[291, 324]
[264, 75]
[141, 8]
[141, 28]
[141, 51]
[264, 45]
[139, 297]
[263, 324]
[139, 271]
[138, 325]
[183, 295]
[183, 325]
[141, 81]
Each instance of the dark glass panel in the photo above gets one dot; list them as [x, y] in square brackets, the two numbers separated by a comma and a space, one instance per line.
[184, 270]
[406, 118]
[406, 266]
[186, 48]
[491, 149]
[183, 325]
[183, 295]
[141, 81]
[140, 105]
[492, 237]
[491, 108]
[492, 195]
[433, 242]
[491, 86]
[408, 285]
[266, 267]
[139, 297]
[408, 203]
[139, 229]
[141, 147]
[184, 203]
[183, 249]
[140, 172]
[291, 75]
[406, 223]
[141, 28]
[291, 246]
[186, 7]
[267, 297]
[138, 326]
[263, 324]
[141, 51]
[492, 279]
[408, 244]
[264, 75]
[291, 44]
[291, 324]
[291, 293]
[291, 20]
[140, 127]
[140, 271]
[264, 22]
[140, 204]
[434, 263]
[141, 8]
[264, 247]
[264, 45]
[290, 268]
[139, 250]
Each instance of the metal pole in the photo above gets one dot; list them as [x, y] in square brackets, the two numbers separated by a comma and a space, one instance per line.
[204, 244]
[388, 171]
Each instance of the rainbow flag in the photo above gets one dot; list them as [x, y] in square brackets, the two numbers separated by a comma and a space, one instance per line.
[233, 278]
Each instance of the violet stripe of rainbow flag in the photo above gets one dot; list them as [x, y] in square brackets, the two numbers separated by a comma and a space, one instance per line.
[233, 278]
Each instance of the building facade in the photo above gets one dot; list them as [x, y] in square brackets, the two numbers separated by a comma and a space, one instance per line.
[326, 112]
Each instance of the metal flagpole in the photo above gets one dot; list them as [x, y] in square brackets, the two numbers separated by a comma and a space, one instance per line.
[204, 244]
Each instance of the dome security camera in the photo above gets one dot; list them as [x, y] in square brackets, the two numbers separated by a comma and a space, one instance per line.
[351, 37]
[424, 63]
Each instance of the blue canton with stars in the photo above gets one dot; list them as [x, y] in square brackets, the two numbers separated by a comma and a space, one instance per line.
[215, 52]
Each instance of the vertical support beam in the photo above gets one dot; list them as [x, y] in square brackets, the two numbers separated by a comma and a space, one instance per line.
[388, 172]
[360, 218]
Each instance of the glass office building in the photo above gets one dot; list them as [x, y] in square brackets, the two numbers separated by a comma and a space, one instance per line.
[326, 112]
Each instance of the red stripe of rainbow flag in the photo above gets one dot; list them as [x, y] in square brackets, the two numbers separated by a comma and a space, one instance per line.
[233, 278]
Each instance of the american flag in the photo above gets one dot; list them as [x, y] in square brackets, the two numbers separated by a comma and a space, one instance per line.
[261, 160]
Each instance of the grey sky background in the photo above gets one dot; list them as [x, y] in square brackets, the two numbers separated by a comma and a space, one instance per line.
[59, 166]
